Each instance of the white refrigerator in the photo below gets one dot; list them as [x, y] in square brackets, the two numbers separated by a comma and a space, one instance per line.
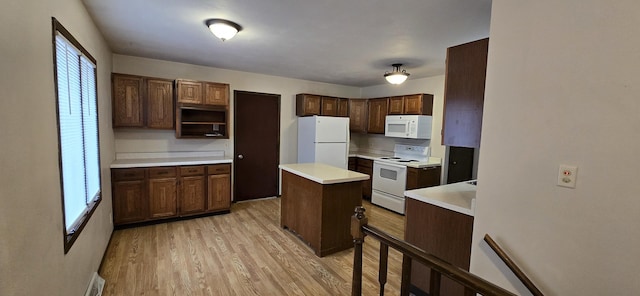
[324, 139]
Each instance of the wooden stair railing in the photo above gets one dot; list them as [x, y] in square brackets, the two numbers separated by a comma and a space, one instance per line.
[513, 266]
[359, 229]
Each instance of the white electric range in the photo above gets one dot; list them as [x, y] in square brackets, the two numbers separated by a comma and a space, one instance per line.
[390, 175]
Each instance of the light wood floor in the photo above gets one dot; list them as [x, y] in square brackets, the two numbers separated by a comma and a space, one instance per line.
[245, 252]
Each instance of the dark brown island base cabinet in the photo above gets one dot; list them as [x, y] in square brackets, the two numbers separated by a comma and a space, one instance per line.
[149, 194]
[309, 105]
[320, 214]
[443, 233]
[466, 69]
[202, 109]
[142, 102]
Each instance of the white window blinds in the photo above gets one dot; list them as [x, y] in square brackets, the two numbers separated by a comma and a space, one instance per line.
[78, 130]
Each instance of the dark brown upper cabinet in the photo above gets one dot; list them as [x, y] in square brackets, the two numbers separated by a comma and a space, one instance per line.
[140, 102]
[418, 104]
[466, 69]
[358, 118]
[378, 109]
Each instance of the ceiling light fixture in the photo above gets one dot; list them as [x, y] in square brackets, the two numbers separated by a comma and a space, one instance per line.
[223, 29]
[397, 76]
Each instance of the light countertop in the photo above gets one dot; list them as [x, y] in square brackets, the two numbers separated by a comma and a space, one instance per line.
[168, 161]
[322, 173]
[458, 197]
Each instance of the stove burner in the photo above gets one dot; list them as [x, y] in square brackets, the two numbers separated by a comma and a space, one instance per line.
[407, 160]
[389, 157]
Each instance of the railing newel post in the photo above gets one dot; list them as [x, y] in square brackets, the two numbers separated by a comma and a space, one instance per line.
[357, 221]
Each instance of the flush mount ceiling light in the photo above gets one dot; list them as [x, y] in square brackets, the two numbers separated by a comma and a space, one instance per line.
[223, 29]
[397, 76]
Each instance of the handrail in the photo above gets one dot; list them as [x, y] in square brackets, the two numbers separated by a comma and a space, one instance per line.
[359, 229]
[513, 266]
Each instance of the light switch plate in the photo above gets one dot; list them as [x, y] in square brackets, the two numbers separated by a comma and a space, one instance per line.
[567, 175]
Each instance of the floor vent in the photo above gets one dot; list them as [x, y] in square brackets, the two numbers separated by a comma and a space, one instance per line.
[95, 286]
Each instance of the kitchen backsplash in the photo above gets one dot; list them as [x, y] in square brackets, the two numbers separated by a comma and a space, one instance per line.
[380, 144]
[147, 140]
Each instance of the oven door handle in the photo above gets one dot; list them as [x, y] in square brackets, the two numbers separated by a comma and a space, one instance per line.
[391, 165]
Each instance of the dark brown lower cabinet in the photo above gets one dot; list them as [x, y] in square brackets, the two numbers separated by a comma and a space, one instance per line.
[148, 194]
[163, 192]
[443, 233]
[218, 187]
[365, 166]
[423, 177]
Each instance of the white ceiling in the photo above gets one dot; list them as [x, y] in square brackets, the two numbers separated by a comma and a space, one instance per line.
[349, 42]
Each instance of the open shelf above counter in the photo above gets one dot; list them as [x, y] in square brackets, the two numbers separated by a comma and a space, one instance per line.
[199, 121]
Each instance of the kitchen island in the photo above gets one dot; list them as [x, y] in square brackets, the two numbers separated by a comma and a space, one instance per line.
[317, 203]
[439, 220]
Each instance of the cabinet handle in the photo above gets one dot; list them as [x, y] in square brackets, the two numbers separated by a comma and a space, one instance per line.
[163, 173]
[240, 156]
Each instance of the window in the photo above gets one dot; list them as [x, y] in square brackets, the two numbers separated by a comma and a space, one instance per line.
[75, 75]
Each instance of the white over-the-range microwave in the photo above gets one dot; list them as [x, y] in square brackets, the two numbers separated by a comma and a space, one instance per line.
[408, 126]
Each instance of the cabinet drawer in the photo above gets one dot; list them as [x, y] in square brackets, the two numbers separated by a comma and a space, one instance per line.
[218, 169]
[162, 172]
[192, 170]
[127, 174]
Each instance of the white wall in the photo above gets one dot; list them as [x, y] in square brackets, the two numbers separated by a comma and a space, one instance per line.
[154, 141]
[32, 259]
[562, 87]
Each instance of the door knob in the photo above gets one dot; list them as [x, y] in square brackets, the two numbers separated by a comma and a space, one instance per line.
[240, 156]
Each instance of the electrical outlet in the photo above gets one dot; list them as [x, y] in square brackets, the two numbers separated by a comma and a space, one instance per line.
[567, 175]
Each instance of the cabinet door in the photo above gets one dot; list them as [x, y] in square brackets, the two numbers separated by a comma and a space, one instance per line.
[466, 68]
[307, 105]
[219, 192]
[216, 94]
[189, 91]
[365, 166]
[358, 115]
[343, 107]
[160, 104]
[377, 115]
[129, 201]
[423, 177]
[192, 198]
[420, 104]
[329, 106]
[396, 105]
[162, 197]
[127, 101]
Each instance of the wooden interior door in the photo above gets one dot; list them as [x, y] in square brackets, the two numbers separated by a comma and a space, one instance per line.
[256, 145]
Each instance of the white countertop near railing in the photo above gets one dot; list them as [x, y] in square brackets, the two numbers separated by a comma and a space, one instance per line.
[458, 197]
[156, 159]
[323, 173]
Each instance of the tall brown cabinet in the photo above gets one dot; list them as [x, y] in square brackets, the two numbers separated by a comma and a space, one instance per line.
[464, 93]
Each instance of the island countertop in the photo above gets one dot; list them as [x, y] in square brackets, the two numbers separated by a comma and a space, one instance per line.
[322, 173]
[459, 197]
